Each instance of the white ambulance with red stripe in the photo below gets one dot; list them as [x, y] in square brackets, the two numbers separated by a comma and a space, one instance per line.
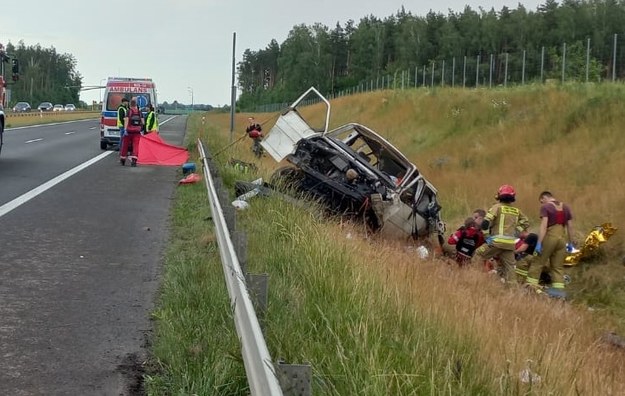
[143, 90]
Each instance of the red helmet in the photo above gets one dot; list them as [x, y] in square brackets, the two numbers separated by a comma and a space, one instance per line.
[506, 189]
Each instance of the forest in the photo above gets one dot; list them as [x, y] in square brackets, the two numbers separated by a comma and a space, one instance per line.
[44, 75]
[574, 40]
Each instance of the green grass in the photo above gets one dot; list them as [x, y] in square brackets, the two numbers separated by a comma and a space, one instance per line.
[196, 350]
[33, 118]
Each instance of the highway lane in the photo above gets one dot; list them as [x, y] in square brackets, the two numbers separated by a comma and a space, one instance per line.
[33, 155]
[79, 263]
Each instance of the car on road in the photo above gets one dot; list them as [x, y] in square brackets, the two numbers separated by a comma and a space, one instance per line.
[58, 107]
[45, 106]
[21, 107]
[1, 127]
[70, 107]
[354, 173]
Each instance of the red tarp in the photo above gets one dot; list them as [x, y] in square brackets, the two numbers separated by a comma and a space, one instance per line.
[154, 151]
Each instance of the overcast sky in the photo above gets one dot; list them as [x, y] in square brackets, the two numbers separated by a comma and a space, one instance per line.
[186, 45]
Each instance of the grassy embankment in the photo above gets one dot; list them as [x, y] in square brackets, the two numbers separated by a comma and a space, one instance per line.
[17, 120]
[368, 315]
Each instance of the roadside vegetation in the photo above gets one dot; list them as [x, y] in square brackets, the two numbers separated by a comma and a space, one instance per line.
[13, 121]
[369, 315]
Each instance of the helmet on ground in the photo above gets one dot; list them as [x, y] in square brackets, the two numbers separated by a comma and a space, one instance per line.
[506, 192]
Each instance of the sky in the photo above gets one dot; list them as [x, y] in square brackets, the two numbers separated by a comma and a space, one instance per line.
[186, 46]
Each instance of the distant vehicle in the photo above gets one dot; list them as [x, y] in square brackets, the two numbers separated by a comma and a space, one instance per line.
[21, 107]
[1, 126]
[143, 90]
[58, 107]
[354, 172]
[45, 106]
[70, 107]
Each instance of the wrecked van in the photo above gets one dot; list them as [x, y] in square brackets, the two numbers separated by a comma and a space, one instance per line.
[354, 172]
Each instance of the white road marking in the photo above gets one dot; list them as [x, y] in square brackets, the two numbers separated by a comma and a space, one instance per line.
[22, 199]
[45, 125]
[33, 140]
[70, 132]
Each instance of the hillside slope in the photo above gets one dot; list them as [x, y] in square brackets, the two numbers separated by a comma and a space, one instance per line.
[467, 143]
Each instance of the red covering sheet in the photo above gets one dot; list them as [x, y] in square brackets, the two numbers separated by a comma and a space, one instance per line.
[154, 151]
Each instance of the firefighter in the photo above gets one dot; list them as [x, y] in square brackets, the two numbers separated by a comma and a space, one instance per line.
[503, 223]
[551, 248]
[121, 114]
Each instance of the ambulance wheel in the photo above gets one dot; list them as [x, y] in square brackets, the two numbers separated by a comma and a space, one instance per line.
[103, 145]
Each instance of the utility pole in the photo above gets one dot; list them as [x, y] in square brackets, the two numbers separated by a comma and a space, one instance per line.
[233, 93]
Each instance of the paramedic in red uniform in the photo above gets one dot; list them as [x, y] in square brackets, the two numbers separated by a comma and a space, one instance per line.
[133, 123]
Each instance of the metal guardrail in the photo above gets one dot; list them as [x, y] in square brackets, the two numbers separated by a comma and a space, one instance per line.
[259, 368]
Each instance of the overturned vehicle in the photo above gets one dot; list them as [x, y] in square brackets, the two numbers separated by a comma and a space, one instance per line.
[354, 172]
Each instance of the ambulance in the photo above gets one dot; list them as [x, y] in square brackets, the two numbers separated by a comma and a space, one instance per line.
[143, 90]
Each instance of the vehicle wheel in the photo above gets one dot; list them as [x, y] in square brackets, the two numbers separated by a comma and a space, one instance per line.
[286, 177]
[103, 145]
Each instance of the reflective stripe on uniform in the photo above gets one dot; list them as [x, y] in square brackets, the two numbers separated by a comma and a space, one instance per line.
[532, 281]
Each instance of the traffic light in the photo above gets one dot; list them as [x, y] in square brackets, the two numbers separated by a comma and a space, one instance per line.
[15, 66]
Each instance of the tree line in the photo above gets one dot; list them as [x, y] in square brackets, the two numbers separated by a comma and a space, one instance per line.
[338, 59]
[44, 75]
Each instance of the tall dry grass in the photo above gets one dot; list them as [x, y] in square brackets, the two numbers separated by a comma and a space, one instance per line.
[515, 331]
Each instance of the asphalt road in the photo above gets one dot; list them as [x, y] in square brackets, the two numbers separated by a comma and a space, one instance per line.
[80, 262]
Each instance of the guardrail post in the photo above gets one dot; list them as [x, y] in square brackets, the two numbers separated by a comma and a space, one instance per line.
[295, 379]
[257, 284]
[228, 210]
[239, 239]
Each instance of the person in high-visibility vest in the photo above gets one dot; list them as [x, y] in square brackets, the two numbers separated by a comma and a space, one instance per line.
[151, 122]
[502, 223]
[555, 229]
[121, 114]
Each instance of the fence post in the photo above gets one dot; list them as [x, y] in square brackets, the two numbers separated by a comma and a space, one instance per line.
[477, 71]
[523, 70]
[587, 57]
[490, 72]
[433, 65]
[453, 71]
[614, 59]
[542, 64]
[563, 61]
[464, 72]
[505, 74]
